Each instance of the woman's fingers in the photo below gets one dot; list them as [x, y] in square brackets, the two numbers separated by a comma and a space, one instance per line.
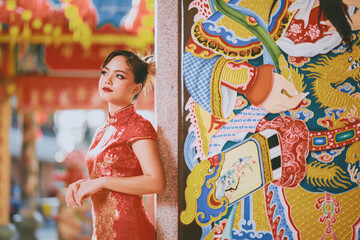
[78, 200]
[79, 196]
[70, 197]
[71, 193]
[86, 189]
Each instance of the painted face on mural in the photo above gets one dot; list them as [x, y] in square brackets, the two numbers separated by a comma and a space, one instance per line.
[116, 84]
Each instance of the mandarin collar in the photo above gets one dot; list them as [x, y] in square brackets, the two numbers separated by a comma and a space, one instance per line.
[120, 114]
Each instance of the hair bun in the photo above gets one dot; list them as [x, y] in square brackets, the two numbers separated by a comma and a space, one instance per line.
[149, 60]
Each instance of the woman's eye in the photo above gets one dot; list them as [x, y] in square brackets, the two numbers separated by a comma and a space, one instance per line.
[103, 72]
[119, 76]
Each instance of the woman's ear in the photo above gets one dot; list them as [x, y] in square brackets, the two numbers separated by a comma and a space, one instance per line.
[137, 88]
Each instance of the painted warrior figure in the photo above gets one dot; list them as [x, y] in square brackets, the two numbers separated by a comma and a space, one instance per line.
[273, 146]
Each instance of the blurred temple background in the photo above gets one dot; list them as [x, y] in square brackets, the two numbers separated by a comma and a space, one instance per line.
[50, 57]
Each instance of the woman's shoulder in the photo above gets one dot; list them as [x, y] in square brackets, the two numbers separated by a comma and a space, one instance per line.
[139, 120]
[140, 127]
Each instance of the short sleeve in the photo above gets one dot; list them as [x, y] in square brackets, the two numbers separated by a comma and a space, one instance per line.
[141, 130]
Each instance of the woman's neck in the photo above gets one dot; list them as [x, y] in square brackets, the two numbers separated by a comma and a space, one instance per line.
[113, 108]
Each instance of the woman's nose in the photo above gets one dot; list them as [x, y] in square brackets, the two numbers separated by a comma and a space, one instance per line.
[108, 80]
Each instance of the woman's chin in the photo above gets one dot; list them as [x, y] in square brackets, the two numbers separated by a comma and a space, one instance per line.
[105, 97]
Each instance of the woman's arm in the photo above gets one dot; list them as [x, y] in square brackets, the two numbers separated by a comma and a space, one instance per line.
[151, 182]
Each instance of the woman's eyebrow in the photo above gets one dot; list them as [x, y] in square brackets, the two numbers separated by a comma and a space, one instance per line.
[122, 71]
[116, 70]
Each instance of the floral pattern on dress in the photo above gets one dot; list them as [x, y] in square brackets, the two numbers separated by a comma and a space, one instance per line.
[117, 215]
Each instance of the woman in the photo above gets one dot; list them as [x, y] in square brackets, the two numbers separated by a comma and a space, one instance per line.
[123, 160]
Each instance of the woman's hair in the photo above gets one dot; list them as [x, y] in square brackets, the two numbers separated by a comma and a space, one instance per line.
[143, 68]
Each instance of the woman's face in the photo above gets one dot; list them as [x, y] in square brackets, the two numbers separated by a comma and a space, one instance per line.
[116, 84]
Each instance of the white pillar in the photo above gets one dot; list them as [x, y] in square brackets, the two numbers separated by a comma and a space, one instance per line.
[167, 111]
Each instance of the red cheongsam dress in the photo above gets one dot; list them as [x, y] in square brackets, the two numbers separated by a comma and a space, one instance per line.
[117, 215]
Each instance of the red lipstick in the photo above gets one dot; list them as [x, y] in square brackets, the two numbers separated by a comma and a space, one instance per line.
[106, 89]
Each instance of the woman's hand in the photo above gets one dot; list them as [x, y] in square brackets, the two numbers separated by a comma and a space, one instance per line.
[86, 189]
[278, 101]
[71, 193]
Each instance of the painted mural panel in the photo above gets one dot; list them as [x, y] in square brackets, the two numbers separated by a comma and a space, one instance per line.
[272, 116]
